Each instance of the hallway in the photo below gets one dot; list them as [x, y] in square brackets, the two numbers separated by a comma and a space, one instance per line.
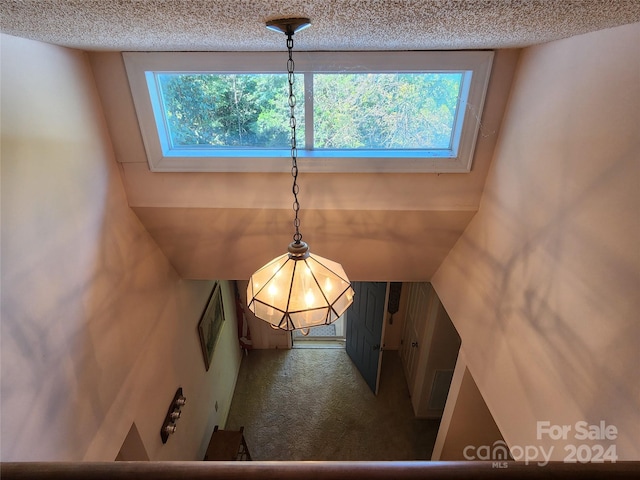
[312, 404]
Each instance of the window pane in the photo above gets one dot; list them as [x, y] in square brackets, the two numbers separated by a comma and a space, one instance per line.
[209, 110]
[385, 111]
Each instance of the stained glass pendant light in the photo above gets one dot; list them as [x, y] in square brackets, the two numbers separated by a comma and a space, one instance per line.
[298, 290]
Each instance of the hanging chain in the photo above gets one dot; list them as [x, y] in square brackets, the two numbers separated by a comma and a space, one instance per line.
[297, 237]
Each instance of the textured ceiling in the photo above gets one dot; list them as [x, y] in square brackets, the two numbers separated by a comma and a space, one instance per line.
[237, 25]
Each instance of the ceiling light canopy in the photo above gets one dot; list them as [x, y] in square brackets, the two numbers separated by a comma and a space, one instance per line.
[298, 290]
[288, 26]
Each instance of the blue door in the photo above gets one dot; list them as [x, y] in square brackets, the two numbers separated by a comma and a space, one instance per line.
[365, 321]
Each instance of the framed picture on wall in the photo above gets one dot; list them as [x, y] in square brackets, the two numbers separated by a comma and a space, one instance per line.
[210, 324]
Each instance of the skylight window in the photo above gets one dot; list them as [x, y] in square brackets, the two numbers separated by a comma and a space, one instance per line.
[386, 111]
[356, 112]
[225, 110]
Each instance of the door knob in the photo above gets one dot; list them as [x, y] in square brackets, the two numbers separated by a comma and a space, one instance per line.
[414, 344]
[376, 347]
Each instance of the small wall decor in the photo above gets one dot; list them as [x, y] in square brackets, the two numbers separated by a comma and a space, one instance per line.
[173, 414]
[210, 324]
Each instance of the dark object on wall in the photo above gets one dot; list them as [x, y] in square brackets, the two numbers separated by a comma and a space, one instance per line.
[173, 414]
[210, 324]
[395, 290]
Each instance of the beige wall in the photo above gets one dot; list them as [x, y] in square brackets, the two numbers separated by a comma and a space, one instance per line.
[543, 285]
[98, 330]
[467, 429]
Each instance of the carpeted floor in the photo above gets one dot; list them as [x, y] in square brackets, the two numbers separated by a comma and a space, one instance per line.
[312, 404]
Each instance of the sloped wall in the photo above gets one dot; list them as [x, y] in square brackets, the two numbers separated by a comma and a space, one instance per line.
[543, 285]
[98, 330]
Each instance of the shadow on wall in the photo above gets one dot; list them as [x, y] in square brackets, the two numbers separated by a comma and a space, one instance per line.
[551, 293]
[84, 286]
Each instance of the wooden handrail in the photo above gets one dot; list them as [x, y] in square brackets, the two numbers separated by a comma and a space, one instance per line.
[313, 470]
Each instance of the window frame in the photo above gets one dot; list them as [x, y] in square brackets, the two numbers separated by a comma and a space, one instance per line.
[141, 68]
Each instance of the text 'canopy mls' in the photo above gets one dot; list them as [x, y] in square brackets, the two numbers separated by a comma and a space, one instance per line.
[350, 110]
